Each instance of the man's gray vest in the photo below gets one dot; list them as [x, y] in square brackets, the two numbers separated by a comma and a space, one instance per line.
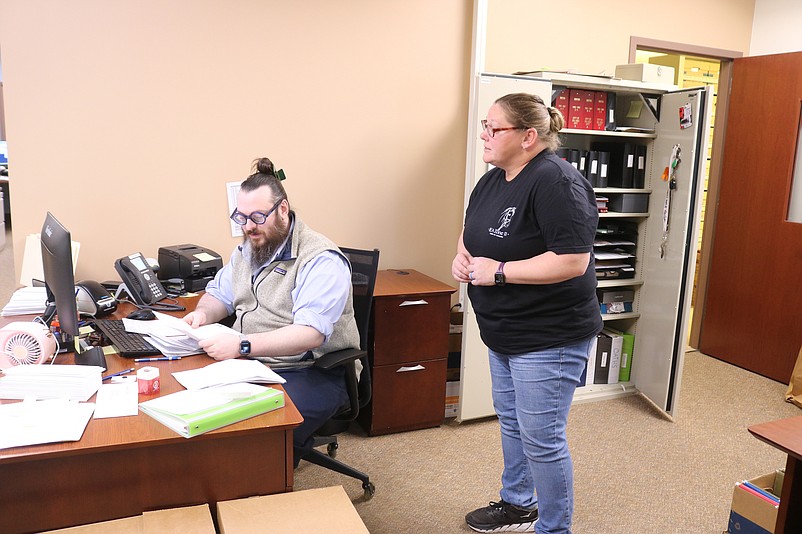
[266, 304]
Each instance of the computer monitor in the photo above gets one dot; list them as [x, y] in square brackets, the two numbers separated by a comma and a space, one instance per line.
[59, 278]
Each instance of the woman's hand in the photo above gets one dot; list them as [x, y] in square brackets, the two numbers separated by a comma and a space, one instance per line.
[460, 268]
[482, 271]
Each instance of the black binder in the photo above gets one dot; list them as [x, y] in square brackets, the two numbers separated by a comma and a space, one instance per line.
[639, 181]
[604, 169]
[592, 168]
[604, 346]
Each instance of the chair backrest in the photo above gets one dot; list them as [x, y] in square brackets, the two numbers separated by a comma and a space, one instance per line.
[364, 268]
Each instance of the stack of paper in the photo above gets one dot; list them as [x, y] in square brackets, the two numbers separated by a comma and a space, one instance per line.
[190, 413]
[172, 336]
[74, 382]
[26, 300]
[50, 421]
[228, 372]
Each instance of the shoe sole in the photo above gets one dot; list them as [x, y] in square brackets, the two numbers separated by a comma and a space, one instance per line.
[518, 527]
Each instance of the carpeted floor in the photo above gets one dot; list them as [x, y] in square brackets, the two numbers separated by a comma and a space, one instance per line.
[636, 471]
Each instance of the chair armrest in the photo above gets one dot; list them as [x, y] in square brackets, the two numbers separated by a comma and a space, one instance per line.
[339, 357]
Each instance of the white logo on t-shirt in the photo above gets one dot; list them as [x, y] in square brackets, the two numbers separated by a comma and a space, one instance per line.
[503, 222]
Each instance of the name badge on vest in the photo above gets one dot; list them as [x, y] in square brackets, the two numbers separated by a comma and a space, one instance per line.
[280, 271]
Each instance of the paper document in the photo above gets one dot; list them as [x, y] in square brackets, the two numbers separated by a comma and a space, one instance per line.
[25, 301]
[49, 421]
[117, 400]
[228, 372]
[75, 382]
[172, 336]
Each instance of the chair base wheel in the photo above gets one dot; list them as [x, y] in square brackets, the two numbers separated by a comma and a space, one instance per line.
[370, 490]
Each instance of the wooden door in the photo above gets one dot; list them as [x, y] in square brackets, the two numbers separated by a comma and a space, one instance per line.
[753, 307]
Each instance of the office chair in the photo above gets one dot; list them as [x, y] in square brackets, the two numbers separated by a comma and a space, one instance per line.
[364, 266]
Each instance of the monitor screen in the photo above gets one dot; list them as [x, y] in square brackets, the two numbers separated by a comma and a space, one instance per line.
[59, 278]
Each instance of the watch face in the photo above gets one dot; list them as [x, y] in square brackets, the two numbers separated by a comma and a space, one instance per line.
[244, 347]
[500, 279]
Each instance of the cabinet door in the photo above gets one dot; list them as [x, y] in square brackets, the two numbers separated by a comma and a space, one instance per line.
[410, 396]
[410, 328]
[662, 329]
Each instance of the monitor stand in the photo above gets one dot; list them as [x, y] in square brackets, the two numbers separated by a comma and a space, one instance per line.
[91, 356]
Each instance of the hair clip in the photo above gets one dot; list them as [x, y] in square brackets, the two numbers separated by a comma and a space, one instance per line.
[280, 175]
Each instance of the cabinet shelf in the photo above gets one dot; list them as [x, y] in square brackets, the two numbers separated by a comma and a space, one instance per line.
[617, 215]
[621, 282]
[609, 133]
[616, 316]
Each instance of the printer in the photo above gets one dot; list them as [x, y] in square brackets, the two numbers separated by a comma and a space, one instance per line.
[194, 266]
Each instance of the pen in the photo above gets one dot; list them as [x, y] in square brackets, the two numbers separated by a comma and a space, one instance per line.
[158, 359]
[131, 370]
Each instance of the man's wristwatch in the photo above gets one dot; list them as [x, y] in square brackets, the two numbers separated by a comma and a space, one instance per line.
[244, 346]
[500, 278]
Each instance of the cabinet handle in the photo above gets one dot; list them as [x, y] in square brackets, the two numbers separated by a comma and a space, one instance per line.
[413, 368]
[413, 303]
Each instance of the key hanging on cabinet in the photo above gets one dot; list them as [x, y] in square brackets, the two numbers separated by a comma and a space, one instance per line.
[670, 176]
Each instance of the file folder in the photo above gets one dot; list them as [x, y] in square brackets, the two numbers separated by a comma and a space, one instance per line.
[194, 412]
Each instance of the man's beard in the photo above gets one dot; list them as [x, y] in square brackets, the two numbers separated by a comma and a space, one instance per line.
[273, 238]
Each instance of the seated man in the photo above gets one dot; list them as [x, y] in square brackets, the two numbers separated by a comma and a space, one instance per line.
[290, 289]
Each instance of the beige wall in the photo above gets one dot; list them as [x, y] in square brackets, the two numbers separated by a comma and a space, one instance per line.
[591, 37]
[363, 103]
[126, 118]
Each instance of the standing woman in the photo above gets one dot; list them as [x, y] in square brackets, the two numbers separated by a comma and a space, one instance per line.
[526, 253]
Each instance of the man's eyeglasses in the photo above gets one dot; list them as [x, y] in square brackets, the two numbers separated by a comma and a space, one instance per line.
[491, 132]
[258, 217]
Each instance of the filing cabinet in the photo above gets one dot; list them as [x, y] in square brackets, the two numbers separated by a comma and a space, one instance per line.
[408, 352]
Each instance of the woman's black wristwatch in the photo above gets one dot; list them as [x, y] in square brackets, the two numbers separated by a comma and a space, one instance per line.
[500, 278]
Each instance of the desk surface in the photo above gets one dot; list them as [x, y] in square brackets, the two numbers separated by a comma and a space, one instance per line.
[784, 434]
[125, 465]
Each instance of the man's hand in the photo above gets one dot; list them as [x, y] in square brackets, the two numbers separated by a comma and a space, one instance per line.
[196, 318]
[221, 347]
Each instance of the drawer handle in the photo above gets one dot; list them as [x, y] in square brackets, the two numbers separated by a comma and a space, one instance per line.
[413, 303]
[413, 368]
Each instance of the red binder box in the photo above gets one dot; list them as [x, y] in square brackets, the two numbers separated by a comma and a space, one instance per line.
[599, 110]
[561, 103]
[576, 108]
[588, 104]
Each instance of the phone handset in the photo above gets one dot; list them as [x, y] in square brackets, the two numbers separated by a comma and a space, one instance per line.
[139, 279]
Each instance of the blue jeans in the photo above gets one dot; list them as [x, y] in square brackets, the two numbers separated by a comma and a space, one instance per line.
[532, 393]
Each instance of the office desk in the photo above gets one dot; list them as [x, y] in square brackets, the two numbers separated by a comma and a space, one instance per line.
[786, 435]
[126, 465]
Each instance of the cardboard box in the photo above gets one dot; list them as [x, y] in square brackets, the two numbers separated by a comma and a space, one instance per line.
[615, 300]
[751, 514]
[452, 398]
[316, 510]
[195, 519]
[645, 72]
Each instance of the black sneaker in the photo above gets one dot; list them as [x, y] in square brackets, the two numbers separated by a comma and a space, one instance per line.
[502, 517]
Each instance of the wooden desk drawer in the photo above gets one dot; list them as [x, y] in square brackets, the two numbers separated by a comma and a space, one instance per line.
[407, 397]
[410, 328]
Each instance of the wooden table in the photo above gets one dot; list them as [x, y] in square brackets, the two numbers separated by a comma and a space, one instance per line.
[126, 465]
[786, 435]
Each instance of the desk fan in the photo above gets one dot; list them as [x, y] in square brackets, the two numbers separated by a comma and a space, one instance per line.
[24, 343]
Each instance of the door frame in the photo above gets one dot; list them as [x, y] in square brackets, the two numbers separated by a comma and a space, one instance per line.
[726, 58]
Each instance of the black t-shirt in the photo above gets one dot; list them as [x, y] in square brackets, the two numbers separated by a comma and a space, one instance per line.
[549, 206]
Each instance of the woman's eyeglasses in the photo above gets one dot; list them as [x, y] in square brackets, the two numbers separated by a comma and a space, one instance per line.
[491, 132]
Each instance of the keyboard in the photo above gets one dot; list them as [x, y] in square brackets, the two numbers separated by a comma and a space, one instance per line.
[128, 344]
